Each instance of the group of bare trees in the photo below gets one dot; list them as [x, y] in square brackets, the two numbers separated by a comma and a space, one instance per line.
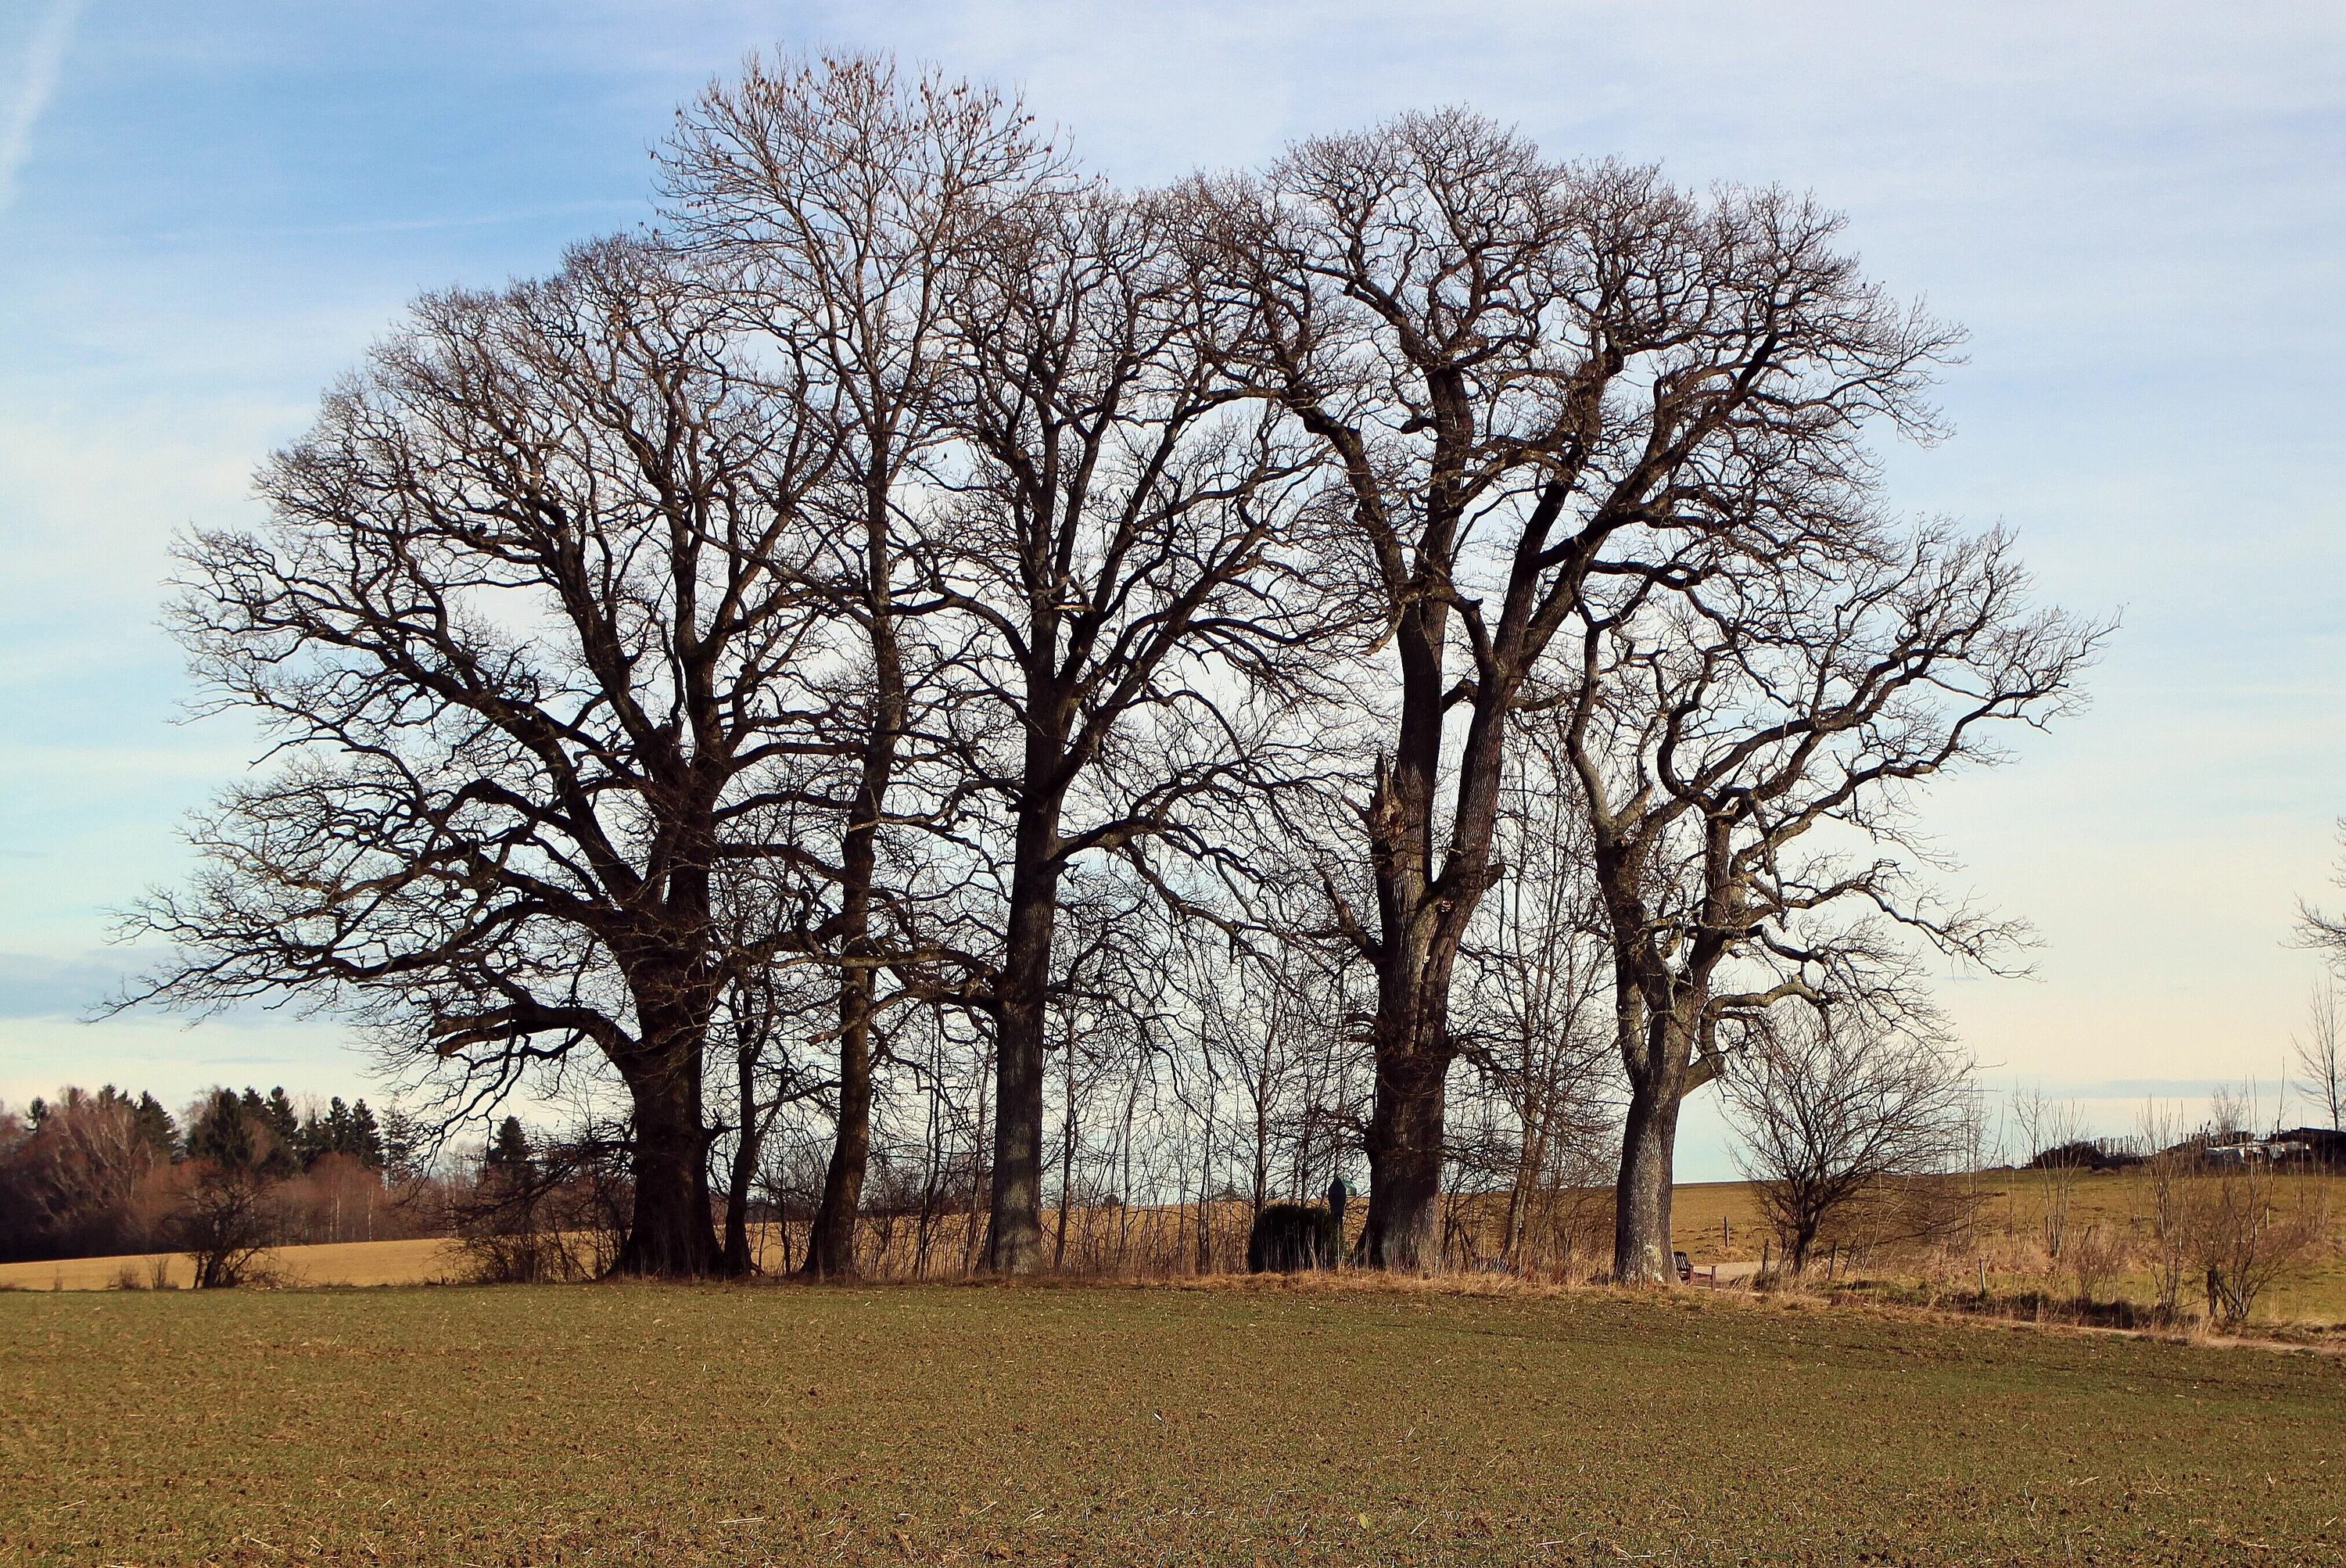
[924, 642]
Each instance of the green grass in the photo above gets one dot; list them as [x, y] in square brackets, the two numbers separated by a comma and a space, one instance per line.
[639, 1424]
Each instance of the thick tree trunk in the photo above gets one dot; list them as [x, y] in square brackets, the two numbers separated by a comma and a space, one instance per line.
[1422, 920]
[1404, 1150]
[1804, 1241]
[1641, 1222]
[671, 1235]
[1014, 1239]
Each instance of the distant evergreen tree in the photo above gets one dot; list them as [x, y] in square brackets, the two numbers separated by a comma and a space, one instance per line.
[313, 1144]
[277, 1133]
[283, 1120]
[509, 1150]
[344, 1129]
[401, 1142]
[221, 1132]
[155, 1125]
[365, 1136]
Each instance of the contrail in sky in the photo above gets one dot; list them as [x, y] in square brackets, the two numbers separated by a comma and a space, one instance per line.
[37, 82]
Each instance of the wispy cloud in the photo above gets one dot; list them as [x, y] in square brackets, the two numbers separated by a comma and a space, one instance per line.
[37, 985]
[35, 85]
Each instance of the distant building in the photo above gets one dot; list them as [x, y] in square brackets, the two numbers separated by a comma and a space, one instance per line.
[2316, 1145]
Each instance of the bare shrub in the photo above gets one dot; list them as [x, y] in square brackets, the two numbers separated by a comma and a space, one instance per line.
[2051, 1129]
[2160, 1192]
[1845, 1120]
[555, 1213]
[2321, 1052]
[226, 1220]
[2249, 1226]
[2094, 1257]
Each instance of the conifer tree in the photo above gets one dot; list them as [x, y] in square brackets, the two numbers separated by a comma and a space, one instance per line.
[509, 1151]
[365, 1137]
[220, 1133]
[156, 1126]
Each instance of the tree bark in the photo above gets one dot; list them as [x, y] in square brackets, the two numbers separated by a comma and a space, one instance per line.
[830, 1241]
[1014, 1240]
[669, 1235]
[1404, 1152]
[1642, 1253]
[734, 1258]
[1066, 1160]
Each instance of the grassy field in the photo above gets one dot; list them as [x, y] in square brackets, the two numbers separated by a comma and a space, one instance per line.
[639, 1424]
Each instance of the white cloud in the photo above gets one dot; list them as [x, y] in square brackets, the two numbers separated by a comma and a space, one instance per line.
[35, 85]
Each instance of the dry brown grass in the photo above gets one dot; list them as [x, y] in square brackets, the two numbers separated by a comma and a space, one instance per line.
[421, 1261]
[1160, 1244]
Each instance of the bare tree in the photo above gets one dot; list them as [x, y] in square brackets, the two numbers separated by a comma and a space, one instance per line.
[2161, 1181]
[66, 1183]
[1114, 546]
[756, 1024]
[226, 1218]
[1533, 1020]
[1748, 746]
[842, 203]
[1523, 377]
[2250, 1224]
[2321, 1062]
[2053, 1136]
[519, 626]
[1835, 1111]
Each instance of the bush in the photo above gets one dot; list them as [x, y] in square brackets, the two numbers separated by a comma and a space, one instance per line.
[2248, 1228]
[1291, 1237]
[539, 1215]
[226, 1220]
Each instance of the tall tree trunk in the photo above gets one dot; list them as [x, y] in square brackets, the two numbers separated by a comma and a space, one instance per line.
[1013, 1241]
[1641, 1221]
[1404, 1151]
[1422, 920]
[1661, 1020]
[830, 1241]
[1664, 1020]
[734, 1258]
[669, 1235]
[1066, 1160]
[978, 1169]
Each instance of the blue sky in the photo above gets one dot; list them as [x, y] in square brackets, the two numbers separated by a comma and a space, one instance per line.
[208, 210]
